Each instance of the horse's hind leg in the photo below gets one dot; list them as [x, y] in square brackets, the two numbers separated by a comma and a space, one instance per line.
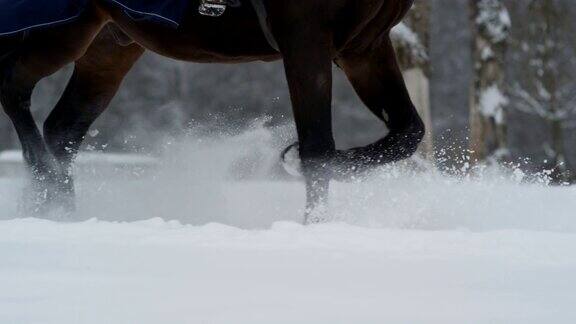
[15, 98]
[376, 77]
[39, 56]
[94, 82]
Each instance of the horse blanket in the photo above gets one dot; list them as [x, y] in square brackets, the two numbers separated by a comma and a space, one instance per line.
[17, 16]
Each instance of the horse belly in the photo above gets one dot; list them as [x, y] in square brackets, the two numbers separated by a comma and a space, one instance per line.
[235, 37]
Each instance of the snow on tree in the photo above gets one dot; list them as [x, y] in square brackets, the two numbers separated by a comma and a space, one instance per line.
[488, 130]
[544, 85]
[410, 50]
[411, 41]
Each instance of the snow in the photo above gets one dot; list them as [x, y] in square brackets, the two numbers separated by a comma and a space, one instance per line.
[153, 271]
[404, 36]
[213, 237]
[494, 18]
[492, 103]
[15, 156]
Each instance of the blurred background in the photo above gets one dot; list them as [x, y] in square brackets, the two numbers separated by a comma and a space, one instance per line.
[493, 80]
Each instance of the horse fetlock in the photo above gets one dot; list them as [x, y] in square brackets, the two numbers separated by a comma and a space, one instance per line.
[418, 129]
[398, 145]
[63, 147]
[409, 138]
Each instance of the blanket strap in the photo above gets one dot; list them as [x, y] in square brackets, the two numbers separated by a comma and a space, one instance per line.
[263, 18]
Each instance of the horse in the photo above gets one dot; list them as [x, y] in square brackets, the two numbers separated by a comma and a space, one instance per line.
[104, 42]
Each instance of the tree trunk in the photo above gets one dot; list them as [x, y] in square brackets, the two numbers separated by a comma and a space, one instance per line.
[560, 173]
[488, 130]
[413, 58]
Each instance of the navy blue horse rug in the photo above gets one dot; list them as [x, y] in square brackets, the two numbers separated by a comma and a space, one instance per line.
[17, 16]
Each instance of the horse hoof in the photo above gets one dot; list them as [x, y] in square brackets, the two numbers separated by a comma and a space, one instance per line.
[291, 160]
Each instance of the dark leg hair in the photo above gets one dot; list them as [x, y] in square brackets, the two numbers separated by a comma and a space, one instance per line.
[96, 79]
[377, 79]
[42, 54]
[307, 51]
[15, 98]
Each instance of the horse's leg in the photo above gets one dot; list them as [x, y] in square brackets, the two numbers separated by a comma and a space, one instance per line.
[306, 47]
[378, 80]
[94, 82]
[39, 56]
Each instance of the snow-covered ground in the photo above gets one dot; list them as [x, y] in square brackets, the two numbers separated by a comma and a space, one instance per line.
[210, 238]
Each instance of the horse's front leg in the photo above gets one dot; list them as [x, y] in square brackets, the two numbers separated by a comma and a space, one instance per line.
[307, 51]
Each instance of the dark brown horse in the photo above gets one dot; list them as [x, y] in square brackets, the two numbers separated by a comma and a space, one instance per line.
[104, 43]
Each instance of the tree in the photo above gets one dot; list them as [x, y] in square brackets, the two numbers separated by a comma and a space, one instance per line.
[544, 84]
[411, 40]
[491, 24]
